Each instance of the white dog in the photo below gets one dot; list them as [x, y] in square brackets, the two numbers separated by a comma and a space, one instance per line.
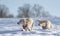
[27, 24]
[45, 24]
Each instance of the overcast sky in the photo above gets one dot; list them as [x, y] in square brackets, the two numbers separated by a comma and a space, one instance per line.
[52, 6]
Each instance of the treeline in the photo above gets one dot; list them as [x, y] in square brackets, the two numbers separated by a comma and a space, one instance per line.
[4, 12]
[24, 11]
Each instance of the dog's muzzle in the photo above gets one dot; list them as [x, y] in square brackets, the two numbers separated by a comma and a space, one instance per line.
[39, 24]
[17, 22]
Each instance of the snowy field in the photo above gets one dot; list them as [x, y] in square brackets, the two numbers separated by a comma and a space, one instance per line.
[9, 27]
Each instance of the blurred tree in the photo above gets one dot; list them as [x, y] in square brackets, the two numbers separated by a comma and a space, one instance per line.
[45, 14]
[39, 10]
[35, 11]
[10, 16]
[24, 11]
[4, 12]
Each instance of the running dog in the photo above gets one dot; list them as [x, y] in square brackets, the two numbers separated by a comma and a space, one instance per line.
[45, 24]
[27, 24]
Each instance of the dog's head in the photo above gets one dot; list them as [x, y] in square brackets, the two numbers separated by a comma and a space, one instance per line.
[19, 21]
[42, 23]
[22, 21]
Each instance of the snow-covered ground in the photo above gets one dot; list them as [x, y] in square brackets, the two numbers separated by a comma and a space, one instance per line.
[9, 27]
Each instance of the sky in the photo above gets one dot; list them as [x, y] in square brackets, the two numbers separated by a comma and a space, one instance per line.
[52, 6]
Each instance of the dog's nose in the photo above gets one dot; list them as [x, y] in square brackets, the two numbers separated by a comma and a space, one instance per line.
[39, 24]
[17, 22]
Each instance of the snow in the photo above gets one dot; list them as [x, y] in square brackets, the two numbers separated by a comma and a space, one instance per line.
[9, 27]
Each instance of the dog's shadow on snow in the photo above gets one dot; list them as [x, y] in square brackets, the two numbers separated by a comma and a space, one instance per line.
[35, 33]
[27, 33]
[9, 31]
[41, 32]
